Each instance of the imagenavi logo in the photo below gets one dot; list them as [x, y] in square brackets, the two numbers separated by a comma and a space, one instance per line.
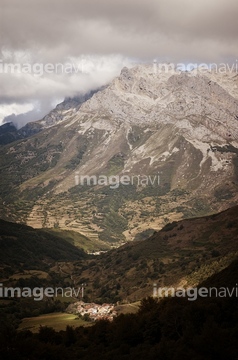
[114, 181]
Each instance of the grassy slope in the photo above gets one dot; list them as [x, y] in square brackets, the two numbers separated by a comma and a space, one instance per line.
[25, 247]
[79, 240]
[187, 251]
[57, 321]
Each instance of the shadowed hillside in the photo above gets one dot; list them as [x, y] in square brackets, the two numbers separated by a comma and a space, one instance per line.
[182, 253]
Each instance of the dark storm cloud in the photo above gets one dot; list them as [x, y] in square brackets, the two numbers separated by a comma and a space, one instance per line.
[126, 27]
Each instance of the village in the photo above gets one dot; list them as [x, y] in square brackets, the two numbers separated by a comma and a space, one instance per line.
[92, 311]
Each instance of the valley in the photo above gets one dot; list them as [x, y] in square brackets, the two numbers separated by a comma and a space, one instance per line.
[118, 241]
[184, 253]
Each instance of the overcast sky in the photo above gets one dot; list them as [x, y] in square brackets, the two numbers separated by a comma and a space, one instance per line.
[98, 38]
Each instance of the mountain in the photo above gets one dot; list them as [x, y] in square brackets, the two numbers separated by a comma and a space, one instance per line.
[183, 253]
[60, 113]
[22, 247]
[33, 258]
[192, 252]
[180, 129]
[9, 133]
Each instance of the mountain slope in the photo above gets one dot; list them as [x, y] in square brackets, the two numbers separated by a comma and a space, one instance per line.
[9, 133]
[22, 247]
[183, 253]
[182, 126]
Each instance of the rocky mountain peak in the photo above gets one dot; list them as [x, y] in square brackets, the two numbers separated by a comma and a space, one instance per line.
[181, 125]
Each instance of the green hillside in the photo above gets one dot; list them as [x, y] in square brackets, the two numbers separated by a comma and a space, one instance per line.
[184, 252]
[24, 247]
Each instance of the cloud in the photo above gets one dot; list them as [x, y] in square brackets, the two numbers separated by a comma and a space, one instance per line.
[75, 26]
[108, 33]
[45, 84]
[21, 119]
